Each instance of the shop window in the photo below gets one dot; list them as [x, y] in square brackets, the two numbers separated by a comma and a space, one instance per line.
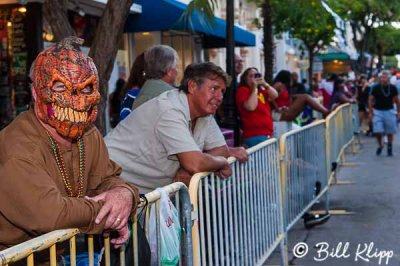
[184, 44]
[6, 110]
[15, 95]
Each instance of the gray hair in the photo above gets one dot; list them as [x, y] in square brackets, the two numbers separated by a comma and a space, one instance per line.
[158, 59]
[384, 72]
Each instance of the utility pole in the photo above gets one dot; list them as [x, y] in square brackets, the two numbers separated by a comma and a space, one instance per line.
[230, 113]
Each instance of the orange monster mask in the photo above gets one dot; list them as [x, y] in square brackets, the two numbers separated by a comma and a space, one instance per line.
[65, 81]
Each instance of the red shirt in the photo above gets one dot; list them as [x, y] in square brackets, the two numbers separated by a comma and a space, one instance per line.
[283, 98]
[326, 98]
[259, 121]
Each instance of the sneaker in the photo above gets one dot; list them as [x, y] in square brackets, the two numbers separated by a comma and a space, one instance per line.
[389, 150]
[311, 220]
[379, 151]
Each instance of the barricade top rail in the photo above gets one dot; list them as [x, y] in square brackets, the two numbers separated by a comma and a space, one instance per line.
[295, 131]
[39, 243]
[331, 115]
[196, 177]
[45, 241]
[155, 195]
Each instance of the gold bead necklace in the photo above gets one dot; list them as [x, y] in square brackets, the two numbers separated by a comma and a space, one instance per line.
[61, 166]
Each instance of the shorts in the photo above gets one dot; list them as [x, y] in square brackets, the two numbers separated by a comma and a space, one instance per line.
[276, 116]
[384, 121]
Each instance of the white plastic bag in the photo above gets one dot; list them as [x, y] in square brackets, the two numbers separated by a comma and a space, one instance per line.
[170, 232]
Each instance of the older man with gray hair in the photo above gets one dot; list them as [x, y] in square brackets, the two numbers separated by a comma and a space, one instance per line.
[174, 136]
[161, 63]
[382, 111]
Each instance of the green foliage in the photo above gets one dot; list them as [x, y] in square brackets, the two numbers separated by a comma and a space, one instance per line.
[385, 40]
[366, 12]
[390, 62]
[306, 20]
[364, 15]
[205, 7]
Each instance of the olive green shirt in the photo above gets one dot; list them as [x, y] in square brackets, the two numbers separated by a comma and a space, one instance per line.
[151, 89]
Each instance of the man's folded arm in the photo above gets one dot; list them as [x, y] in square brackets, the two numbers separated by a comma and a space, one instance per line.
[31, 200]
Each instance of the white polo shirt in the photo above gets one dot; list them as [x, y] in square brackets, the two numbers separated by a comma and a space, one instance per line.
[145, 144]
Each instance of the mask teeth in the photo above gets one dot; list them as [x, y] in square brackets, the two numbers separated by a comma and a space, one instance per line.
[57, 112]
[82, 117]
[62, 116]
[65, 112]
[69, 114]
[76, 116]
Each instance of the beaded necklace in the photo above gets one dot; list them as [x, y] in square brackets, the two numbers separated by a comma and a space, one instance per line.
[385, 93]
[61, 166]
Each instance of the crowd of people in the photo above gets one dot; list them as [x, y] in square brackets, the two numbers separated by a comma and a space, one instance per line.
[377, 100]
[57, 170]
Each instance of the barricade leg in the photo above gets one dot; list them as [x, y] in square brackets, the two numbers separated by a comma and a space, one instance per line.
[186, 206]
[284, 251]
[327, 200]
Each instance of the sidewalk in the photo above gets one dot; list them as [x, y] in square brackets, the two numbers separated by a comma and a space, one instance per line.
[372, 231]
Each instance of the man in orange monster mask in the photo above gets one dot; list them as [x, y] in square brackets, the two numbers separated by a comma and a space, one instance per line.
[54, 166]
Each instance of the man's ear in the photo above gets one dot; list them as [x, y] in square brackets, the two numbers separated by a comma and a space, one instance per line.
[192, 86]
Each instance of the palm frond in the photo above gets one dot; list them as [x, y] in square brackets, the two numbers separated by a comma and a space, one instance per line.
[203, 9]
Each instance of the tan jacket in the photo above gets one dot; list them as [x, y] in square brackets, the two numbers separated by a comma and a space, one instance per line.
[33, 199]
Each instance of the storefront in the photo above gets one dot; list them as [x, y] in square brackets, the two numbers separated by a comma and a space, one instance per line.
[161, 23]
[337, 63]
[18, 47]
[24, 32]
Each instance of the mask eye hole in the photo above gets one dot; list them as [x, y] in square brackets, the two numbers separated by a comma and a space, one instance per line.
[58, 86]
[88, 89]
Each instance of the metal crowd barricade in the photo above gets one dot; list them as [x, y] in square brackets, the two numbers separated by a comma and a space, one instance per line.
[238, 221]
[356, 127]
[181, 196]
[28, 249]
[356, 121]
[47, 241]
[339, 134]
[316, 114]
[303, 170]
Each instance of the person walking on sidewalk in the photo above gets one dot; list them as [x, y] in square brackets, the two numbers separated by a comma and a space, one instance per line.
[382, 111]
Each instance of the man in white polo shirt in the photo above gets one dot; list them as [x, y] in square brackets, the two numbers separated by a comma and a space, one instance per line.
[175, 135]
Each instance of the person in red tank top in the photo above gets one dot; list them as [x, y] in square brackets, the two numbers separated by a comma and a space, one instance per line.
[283, 98]
[252, 100]
[288, 106]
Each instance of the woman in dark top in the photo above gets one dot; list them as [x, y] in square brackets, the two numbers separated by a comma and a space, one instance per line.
[115, 102]
[132, 88]
[362, 94]
[339, 95]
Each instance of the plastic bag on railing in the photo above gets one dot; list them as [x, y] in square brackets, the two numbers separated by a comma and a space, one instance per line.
[170, 232]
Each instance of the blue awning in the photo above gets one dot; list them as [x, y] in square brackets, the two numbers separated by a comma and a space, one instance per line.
[164, 15]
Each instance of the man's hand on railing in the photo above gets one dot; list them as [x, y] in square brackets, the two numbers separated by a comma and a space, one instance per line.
[183, 176]
[116, 209]
[239, 153]
[224, 172]
[123, 236]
